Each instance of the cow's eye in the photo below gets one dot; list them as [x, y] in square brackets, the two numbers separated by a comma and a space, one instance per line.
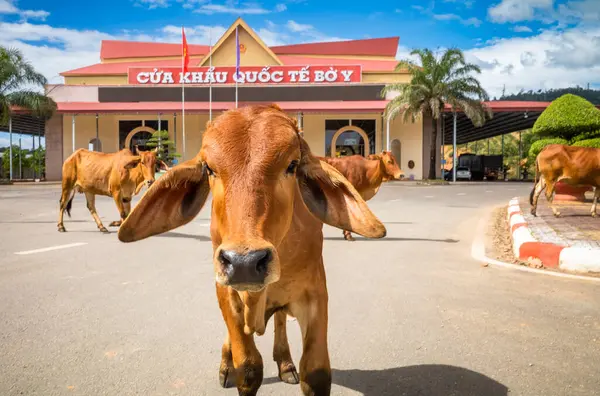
[208, 170]
[291, 167]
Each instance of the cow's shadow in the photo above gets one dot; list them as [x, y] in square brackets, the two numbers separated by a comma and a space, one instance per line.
[420, 380]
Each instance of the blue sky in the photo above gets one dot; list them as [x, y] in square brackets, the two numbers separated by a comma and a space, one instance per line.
[519, 44]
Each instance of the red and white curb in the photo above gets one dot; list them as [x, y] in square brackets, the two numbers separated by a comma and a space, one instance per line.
[526, 247]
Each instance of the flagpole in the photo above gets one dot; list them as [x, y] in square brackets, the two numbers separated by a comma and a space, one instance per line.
[210, 80]
[183, 103]
[237, 69]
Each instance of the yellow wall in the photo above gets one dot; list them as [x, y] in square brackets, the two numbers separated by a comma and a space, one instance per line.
[255, 55]
[96, 80]
[411, 139]
[374, 78]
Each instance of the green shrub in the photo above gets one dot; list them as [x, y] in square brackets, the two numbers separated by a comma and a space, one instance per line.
[595, 143]
[539, 145]
[586, 136]
[568, 116]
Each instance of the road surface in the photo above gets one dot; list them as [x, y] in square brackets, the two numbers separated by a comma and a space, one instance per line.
[412, 314]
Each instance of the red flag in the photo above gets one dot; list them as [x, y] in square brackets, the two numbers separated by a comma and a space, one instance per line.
[185, 52]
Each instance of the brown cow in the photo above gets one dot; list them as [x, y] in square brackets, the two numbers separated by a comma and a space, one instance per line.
[118, 175]
[573, 165]
[271, 197]
[366, 174]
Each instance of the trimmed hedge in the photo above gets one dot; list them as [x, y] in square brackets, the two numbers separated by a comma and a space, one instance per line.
[539, 145]
[595, 143]
[586, 136]
[568, 116]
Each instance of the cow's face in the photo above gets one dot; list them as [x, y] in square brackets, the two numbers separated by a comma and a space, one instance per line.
[147, 165]
[392, 169]
[257, 166]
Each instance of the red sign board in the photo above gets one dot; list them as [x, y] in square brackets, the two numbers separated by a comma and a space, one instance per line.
[247, 75]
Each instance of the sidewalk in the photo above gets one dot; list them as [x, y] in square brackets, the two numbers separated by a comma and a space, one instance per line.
[575, 227]
[570, 242]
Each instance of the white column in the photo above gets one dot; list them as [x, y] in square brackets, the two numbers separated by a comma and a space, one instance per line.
[73, 130]
[454, 149]
[10, 160]
[388, 132]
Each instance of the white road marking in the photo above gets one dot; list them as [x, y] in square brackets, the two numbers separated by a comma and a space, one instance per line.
[48, 249]
[461, 194]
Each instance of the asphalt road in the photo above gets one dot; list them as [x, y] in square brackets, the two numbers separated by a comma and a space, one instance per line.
[412, 314]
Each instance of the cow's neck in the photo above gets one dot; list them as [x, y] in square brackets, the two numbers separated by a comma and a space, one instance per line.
[376, 173]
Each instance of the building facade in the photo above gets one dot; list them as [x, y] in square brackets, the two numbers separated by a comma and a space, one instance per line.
[333, 89]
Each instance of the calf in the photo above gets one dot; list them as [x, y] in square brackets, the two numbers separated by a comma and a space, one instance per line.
[366, 174]
[118, 175]
[574, 165]
[271, 197]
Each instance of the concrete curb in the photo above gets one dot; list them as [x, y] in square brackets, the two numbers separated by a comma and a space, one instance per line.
[526, 247]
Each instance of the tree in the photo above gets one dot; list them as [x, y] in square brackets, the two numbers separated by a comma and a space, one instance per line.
[568, 116]
[16, 77]
[166, 148]
[437, 81]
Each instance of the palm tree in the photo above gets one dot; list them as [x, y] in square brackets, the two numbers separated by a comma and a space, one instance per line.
[17, 78]
[438, 81]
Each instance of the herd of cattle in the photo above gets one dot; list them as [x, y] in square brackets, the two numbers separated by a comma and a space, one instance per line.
[270, 199]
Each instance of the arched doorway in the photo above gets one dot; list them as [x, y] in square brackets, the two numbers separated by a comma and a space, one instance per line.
[350, 140]
[139, 137]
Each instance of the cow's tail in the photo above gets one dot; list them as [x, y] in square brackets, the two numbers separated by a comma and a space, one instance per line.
[535, 182]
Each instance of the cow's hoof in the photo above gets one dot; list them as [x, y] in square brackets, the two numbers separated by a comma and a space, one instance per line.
[290, 376]
[104, 230]
[61, 229]
[226, 379]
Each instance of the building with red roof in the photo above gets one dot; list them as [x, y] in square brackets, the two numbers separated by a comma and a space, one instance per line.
[333, 88]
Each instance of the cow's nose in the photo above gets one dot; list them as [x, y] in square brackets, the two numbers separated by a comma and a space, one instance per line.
[250, 267]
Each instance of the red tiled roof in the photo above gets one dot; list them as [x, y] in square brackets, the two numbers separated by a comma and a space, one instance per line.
[112, 49]
[368, 47]
[367, 65]
[116, 107]
[121, 67]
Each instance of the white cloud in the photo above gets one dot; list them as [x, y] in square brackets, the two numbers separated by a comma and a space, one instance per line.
[298, 27]
[518, 10]
[522, 29]
[153, 4]
[9, 7]
[244, 9]
[551, 59]
[280, 7]
[453, 17]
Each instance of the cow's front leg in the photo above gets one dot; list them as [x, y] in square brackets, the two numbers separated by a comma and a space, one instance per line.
[596, 196]
[124, 206]
[226, 370]
[281, 350]
[247, 362]
[315, 369]
[348, 236]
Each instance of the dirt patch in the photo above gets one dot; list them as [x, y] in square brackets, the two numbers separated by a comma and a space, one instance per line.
[499, 246]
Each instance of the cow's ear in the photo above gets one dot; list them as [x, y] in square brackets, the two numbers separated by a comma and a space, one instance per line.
[172, 200]
[132, 162]
[332, 199]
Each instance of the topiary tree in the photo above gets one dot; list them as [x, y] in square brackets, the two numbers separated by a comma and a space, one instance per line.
[539, 145]
[166, 147]
[566, 117]
[595, 143]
